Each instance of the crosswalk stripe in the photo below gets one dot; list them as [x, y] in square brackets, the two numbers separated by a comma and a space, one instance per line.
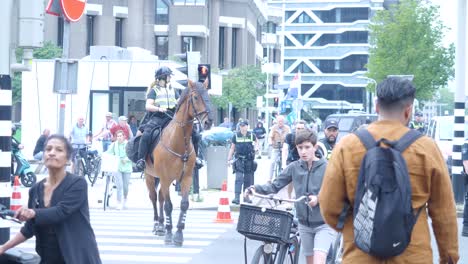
[125, 236]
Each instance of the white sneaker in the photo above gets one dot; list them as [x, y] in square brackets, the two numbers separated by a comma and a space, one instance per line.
[119, 206]
[124, 205]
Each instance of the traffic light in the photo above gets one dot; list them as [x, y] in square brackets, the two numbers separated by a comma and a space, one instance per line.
[191, 59]
[204, 72]
[275, 101]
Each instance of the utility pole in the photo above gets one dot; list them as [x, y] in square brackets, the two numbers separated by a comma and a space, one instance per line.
[459, 112]
[5, 114]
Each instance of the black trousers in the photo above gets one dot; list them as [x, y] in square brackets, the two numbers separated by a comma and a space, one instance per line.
[244, 175]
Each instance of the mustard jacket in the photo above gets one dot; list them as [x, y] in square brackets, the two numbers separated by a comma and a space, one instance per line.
[430, 185]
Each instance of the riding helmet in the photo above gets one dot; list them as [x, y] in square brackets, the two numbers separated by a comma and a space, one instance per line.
[163, 72]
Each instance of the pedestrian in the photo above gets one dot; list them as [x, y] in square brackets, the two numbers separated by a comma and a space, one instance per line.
[306, 175]
[239, 121]
[243, 147]
[431, 189]
[418, 122]
[79, 137]
[227, 123]
[133, 123]
[123, 126]
[289, 151]
[260, 132]
[104, 133]
[124, 171]
[277, 136]
[58, 213]
[39, 148]
[325, 145]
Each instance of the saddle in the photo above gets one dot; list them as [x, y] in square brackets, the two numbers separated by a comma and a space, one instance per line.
[134, 143]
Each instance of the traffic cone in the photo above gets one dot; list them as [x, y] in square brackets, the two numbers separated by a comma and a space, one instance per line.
[15, 202]
[224, 210]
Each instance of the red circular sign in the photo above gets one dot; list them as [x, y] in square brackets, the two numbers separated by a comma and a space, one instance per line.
[73, 9]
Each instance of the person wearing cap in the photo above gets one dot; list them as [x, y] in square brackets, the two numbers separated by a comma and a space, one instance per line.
[160, 106]
[326, 145]
[124, 126]
[418, 122]
[243, 147]
[105, 131]
[276, 139]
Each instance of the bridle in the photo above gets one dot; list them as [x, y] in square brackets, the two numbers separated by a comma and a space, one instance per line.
[198, 116]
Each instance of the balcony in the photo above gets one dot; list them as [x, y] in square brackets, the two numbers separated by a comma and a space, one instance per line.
[270, 39]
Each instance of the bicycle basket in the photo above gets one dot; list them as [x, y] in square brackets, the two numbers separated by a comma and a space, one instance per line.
[110, 163]
[270, 226]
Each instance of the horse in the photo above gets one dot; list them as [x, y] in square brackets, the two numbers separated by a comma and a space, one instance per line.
[174, 159]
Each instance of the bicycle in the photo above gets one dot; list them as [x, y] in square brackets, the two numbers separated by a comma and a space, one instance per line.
[275, 228]
[14, 255]
[278, 162]
[86, 162]
[109, 164]
[335, 255]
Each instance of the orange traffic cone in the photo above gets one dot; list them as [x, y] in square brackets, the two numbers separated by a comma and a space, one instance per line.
[15, 202]
[224, 210]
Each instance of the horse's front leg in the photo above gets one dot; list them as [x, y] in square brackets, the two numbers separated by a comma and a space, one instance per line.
[168, 210]
[160, 230]
[184, 205]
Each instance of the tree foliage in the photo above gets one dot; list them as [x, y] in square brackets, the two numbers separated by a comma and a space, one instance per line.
[407, 40]
[48, 51]
[241, 87]
[446, 97]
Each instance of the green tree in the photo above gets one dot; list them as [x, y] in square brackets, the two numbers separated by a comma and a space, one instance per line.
[48, 51]
[241, 87]
[407, 39]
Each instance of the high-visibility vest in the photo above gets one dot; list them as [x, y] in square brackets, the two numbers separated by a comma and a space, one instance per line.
[165, 97]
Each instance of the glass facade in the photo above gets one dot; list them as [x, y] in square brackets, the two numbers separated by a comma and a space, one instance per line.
[162, 47]
[162, 13]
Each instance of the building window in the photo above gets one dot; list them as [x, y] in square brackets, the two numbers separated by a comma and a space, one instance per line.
[162, 47]
[187, 44]
[349, 15]
[287, 64]
[288, 42]
[60, 31]
[269, 27]
[162, 13]
[303, 68]
[221, 48]
[303, 38]
[90, 33]
[190, 2]
[288, 14]
[119, 32]
[327, 16]
[234, 47]
[303, 18]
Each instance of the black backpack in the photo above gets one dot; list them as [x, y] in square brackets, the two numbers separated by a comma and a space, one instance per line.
[383, 214]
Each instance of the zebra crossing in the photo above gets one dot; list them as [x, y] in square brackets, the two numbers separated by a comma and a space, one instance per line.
[125, 236]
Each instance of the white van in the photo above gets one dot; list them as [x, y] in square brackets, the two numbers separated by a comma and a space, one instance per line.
[441, 130]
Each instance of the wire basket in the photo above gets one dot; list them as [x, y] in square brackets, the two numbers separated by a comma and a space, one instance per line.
[269, 225]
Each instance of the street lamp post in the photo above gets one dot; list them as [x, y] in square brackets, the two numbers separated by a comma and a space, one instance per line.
[368, 93]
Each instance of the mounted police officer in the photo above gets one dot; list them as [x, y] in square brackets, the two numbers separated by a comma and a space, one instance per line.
[244, 144]
[160, 106]
[326, 145]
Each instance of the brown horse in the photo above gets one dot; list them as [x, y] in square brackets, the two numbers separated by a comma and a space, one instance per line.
[174, 159]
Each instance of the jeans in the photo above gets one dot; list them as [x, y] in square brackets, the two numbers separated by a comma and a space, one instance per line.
[105, 144]
[121, 182]
[274, 155]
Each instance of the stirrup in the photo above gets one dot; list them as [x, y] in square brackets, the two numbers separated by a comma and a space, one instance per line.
[140, 164]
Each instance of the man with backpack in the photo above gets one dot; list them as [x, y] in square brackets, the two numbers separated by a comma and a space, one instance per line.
[382, 183]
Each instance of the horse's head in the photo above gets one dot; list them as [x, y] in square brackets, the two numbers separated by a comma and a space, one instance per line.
[201, 103]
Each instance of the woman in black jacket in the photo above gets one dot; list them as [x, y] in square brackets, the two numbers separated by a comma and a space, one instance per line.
[58, 212]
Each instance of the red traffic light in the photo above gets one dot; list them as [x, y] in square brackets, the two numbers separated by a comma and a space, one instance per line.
[204, 72]
[275, 101]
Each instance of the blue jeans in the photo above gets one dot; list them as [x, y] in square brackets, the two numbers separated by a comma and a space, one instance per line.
[105, 144]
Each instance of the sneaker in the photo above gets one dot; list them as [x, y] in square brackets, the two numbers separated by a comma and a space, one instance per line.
[236, 201]
[119, 206]
[140, 164]
[124, 205]
[465, 231]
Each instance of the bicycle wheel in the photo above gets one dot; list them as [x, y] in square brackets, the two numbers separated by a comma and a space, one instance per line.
[107, 191]
[93, 175]
[80, 168]
[294, 251]
[260, 257]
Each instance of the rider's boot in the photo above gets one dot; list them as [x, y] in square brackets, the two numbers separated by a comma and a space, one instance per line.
[145, 141]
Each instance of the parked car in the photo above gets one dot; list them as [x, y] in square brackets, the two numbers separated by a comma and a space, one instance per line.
[348, 123]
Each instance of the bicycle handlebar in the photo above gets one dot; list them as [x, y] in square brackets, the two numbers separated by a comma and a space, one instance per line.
[273, 197]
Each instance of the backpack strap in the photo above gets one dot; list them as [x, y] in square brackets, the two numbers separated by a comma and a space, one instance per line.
[366, 138]
[342, 216]
[407, 139]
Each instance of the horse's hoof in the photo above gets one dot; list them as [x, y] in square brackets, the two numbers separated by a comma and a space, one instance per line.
[168, 238]
[160, 231]
[178, 238]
